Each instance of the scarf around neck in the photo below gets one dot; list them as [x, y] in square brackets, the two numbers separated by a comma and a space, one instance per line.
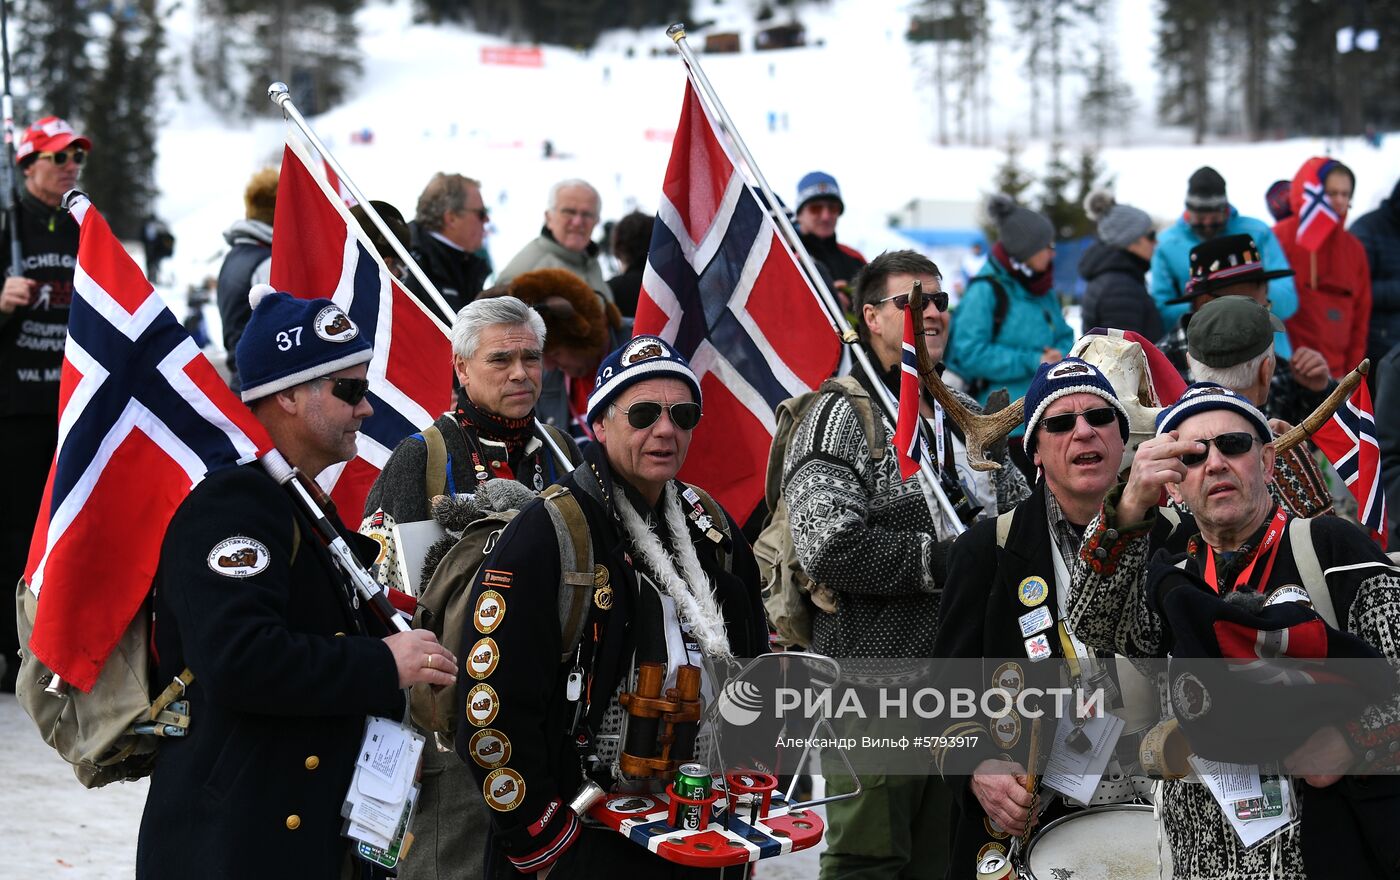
[1037, 283]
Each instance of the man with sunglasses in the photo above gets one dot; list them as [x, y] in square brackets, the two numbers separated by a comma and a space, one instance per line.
[33, 328]
[1212, 454]
[1007, 597]
[819, 207]
[673, 583]
[880, 544]
[283, 662]
[446, 237]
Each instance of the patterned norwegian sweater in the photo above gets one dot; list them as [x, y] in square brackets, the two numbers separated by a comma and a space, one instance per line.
[867, 534]
[1110, 610]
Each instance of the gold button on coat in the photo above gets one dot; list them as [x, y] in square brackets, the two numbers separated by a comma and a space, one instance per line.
[293, 822]
[312, 762]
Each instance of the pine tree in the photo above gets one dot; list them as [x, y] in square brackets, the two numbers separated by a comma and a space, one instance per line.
[1011, 179]
[1107, 100]
[1055, 202]
[51, 57]
[120, 119]
[1185, 39]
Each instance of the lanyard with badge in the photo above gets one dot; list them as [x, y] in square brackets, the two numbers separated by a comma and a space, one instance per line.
[384, 789]
[1267, 547]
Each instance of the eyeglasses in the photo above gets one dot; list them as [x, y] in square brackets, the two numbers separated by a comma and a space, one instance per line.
[78, 155]
[644, 413]
[352, 391]
[939, 298]
[1064, 422]
[585, 216]
[481, 213]
[1231, 445]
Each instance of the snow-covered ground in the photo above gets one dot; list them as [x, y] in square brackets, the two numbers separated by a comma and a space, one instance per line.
[854, 107]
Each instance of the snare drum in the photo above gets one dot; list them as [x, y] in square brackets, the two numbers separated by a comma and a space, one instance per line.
[1115, 842]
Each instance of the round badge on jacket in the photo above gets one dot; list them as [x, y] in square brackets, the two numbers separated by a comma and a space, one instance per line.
[239, 557]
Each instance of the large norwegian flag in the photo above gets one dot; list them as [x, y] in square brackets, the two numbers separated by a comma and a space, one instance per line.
[1349, 442]
[721, 286]
[143, 417]
[1316, 218]
[318, 250]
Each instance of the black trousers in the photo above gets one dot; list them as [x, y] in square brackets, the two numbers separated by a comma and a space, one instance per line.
[27, 445]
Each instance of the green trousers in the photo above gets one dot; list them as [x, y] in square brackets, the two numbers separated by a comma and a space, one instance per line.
[897, 829]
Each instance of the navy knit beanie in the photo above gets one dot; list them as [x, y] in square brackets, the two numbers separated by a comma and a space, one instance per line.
[641, 358]
[1068, 376]
[289, 341]
[1205, 397]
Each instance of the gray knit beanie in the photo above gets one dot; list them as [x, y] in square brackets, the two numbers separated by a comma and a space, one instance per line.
[1119, 225]
[1021, 231]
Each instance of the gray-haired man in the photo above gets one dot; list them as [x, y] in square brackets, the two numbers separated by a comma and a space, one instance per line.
[448, 229]
[566, 240]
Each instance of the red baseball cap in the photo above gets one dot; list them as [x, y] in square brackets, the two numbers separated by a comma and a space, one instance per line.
[48, 135]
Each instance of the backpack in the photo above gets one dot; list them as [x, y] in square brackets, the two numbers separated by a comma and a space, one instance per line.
[109, 734]
[788, 593]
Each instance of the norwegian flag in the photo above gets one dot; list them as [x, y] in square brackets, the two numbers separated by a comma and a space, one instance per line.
[721, 286]
[319, 250]
[1349, 442]
[143, 417]
[908, 440]
[1317, 218]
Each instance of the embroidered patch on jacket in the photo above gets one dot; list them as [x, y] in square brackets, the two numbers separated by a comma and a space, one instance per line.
[493, 578]
[490, 611]
[1032, 591]
[482, 658]
[239, 557]
[489, 748]
[482, 705]
[504, 789]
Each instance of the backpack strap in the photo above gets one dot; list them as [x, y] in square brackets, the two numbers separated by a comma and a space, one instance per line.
[850, 388]
[1310, 570]
[576, 568]
[1004, 526]
[561, 440]
[720, 524]
[435, 472]
[1000, 306]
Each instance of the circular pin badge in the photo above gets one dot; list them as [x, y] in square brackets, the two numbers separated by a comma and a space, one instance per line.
[601, 576]
[239, 557]
[489, 748]
[482, 705]
[504, 789]
[383, 541]
[482, 658]
[603, 598]
[1006, 730]
[1009, 677]
[1032, 591]
[490, 611]
[333, 325]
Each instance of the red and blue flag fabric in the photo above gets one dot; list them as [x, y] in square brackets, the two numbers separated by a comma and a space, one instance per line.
[723, 288]
[1317, 218]
[143, 417]
[1349, 442]
[908, 439]
[319, 250]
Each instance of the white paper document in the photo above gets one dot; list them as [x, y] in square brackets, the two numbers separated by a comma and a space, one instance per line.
[1076, 774]
[1256, 807]
[383, 780]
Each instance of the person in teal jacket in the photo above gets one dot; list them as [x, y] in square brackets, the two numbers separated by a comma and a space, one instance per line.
[1033, 330]
[1209, 214]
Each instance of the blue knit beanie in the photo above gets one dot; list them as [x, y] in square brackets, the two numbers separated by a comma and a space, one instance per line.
[289, 341]
[1069, 376]
[642, 357]
[1206, 396]
[818, 185]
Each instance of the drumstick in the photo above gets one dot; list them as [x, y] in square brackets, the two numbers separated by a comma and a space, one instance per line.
[1032, 760]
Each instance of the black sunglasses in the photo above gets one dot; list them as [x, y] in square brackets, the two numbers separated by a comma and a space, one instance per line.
[939, 298]
[481, 212]
[1063, 422]
[352, 391]
[79, 156]
[644, 413]
[1233, 444]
